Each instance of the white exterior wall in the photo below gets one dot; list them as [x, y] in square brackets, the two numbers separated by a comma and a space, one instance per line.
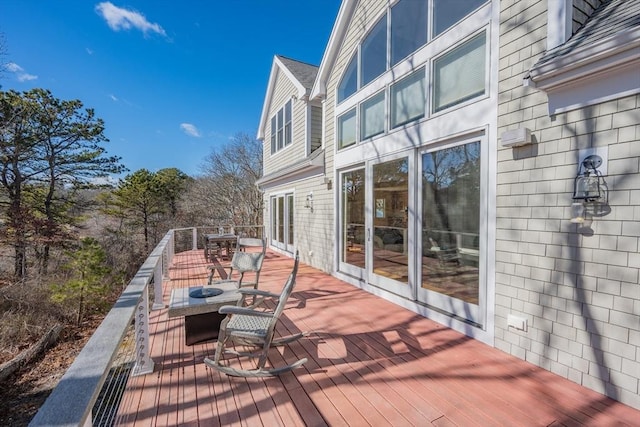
[578, 290]
[283, 91]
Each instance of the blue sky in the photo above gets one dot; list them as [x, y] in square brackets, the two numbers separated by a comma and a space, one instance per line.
[171, 79]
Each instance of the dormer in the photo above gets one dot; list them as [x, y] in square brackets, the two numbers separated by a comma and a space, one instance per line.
[290, 124]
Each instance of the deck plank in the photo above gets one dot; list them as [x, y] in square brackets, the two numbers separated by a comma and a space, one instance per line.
[371, 362]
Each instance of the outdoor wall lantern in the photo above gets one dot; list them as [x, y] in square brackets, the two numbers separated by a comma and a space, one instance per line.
[587, 187]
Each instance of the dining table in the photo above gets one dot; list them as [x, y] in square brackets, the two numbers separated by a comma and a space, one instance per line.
[219, 244]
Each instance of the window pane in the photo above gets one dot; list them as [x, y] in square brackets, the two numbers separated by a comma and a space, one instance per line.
[451, 221]
[281, 219]
[447, 13]
[408, 28]
[373, 53]
[349, 83]
[372, 116]
[273, 134]
[353, 215]
[287, 123]
[290, 219]
[407, 99]
[390, 219]
[347, 129]
[280, 129]
[460, 74]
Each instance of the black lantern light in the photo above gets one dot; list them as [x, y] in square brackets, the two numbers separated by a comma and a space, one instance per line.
[587, 187]
[588, 182]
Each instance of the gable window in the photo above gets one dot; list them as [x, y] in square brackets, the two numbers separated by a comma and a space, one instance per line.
[347, 129]
[401, 31]
[372, 116]
[349, 83]
[408, 99]
[459, 75]
[281, 132]
[373, 60]
[408, 28]
[446, 13]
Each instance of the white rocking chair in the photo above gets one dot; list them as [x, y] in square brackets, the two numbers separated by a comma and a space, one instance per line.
[253, 327]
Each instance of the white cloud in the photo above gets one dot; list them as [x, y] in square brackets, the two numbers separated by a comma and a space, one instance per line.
[124, 19]
[190, 130]
[19, 72]
[89, 51]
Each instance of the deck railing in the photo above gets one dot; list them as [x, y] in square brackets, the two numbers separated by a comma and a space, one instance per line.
[72, 402]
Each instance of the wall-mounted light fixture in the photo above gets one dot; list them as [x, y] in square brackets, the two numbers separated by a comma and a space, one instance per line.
[308, 203]
[587, 187]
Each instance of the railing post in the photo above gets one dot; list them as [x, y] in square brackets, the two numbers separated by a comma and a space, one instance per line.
[158, 277]
[144, 363]
[195, 238]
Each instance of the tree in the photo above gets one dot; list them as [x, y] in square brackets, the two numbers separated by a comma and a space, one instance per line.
[172, 184]
[49, 145]
[227, 189]
[89, 286]
[137, 201]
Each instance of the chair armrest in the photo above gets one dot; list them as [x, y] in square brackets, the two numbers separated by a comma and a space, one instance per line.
[233, 309]
[257, 292]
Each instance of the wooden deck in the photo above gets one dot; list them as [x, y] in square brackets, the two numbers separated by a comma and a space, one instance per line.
[371, 362]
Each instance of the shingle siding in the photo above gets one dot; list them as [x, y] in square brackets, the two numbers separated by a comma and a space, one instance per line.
[579, 290]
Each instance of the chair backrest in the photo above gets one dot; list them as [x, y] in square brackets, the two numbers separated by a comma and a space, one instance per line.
[244, 260]
[287, 288]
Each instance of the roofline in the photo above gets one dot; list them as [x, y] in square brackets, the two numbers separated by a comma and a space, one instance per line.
[567, 67]
[347, 8]
[309, 166]
[302, 91]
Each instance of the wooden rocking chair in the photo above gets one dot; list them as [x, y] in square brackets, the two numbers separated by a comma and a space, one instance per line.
[253, 327]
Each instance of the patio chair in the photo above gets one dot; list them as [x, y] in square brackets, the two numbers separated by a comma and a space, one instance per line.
[254, 327]
[245, 265]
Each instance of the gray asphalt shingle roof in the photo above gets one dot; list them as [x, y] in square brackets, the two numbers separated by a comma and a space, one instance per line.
[610, 18]
[305, 73]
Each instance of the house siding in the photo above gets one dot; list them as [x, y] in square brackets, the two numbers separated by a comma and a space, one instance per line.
[579, 292]
[316, 128]
[283, 91]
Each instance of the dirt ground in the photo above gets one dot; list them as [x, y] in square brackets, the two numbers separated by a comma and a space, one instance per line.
[24, 392]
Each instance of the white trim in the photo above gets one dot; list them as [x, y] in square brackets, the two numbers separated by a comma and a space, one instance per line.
[559, 22]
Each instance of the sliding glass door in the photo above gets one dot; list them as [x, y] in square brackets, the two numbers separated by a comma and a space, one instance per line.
[389, 226]
[282, 221]
[353, 232]
[450, 210]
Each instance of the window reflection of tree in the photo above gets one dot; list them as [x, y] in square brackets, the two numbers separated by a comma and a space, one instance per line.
[451, 190]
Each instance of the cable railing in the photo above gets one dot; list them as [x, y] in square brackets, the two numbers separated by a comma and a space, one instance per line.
[88, 393]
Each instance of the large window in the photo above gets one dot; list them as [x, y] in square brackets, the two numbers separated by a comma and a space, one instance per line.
[407, 99]
[372, 117]
[281, 132]
[373, 53]
[459, 75]
[409, 24]
[408, 28]
[347, 129]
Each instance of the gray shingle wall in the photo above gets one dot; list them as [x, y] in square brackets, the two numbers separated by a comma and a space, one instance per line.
[579, 291]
